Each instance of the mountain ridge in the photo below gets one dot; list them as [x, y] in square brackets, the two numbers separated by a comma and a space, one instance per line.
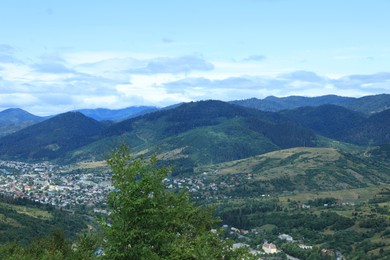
[15, 119]
[366, 104]
[117, 114]
[51, 137]
[204, 132]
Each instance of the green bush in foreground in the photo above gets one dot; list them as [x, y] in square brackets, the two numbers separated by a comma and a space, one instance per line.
[151, 222]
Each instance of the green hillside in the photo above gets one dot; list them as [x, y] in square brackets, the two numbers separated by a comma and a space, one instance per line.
[299, 170]
[52, 138]
[205, 132]
[343, 124]
[328, 120]
[196, 133]
[22, 221]
[375, 130]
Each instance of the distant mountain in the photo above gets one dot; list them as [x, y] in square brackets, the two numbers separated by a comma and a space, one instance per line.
[51, 138]
[370, 104]
[328, 120]
[373, 131]
[17, 115]
[117, 114]
[198, 133]
[343, 124]
[367, 104]
[14, 119]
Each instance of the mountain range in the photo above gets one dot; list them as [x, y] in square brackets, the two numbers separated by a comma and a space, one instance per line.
[117, 114]
[367, 104]
[198, 133]
[330, 143]
[14, 119]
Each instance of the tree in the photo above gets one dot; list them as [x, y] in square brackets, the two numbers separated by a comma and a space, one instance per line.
[147, 221]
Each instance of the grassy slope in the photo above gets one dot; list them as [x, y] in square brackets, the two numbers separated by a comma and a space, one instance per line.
[22, 223]
[305, 169]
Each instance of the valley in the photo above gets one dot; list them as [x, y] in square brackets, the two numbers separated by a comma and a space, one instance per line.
[318, 174]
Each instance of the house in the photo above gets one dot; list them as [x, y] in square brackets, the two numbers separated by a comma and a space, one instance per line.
[286, 237]
[301, 246]
[269, 248]
[327, 252]
[240, 245]
[236, 230]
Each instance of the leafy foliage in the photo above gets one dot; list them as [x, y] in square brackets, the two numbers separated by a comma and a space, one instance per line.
[149, 222]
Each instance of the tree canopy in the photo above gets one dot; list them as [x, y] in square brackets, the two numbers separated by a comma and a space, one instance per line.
[148, 221]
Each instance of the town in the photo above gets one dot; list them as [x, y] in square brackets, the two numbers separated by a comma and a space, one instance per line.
[59, 186]
[78, 187]
[73, 186]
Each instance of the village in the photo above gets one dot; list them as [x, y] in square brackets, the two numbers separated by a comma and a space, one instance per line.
[69, 188]
[51, 184]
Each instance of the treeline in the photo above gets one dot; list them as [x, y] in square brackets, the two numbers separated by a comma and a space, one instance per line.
[54, 246]
[22, 227]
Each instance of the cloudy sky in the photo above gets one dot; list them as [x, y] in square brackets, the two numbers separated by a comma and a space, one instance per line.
[57, 56]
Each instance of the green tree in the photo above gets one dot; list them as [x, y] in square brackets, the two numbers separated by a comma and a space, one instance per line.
[148, 221]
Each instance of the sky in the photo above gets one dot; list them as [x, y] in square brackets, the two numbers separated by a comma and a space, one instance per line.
[57, 56]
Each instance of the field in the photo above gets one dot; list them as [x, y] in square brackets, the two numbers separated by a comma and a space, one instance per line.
[29, 211]
[359, 195]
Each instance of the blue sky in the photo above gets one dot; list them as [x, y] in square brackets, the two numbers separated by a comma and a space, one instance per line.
[57, 56]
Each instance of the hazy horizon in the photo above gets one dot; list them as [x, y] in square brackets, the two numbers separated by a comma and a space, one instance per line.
[62, 56]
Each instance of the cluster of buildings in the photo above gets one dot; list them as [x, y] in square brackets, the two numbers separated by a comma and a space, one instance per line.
[51, 184]
[200, 186]
[59, 186]
[66, 187]
[209, 186]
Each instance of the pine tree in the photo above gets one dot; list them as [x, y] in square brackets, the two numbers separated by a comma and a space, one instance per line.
[147, 221]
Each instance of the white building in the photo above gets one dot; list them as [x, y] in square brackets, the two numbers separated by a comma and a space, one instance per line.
[270, 248]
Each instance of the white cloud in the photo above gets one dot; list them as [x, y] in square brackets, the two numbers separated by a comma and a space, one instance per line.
[184, 64]
[15, 100]
[56, 83]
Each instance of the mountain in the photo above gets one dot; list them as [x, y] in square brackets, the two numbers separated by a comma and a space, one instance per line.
[373, 131]
[275, 104]
[17, 115]
[118, 114]
[343, 124]
[14, 119]
[328, 120]
[51, 138]
[204, 132]
[368, 104]
[198, 133]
